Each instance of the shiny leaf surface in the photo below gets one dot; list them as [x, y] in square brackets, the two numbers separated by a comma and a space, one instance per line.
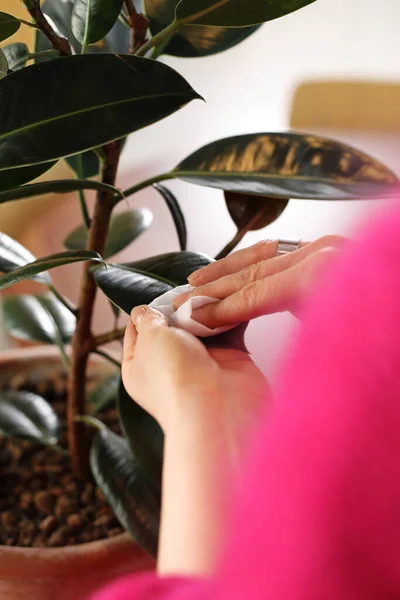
[13, 256]
[173, 266]
[191, 40]
[288, 165]
[38, 318]
[12, 178]
[104, 394]
[253, 213]
[144, 435]
[8, 26]
[176, 214]
[92, 19]
[27, 416]
[61, 186]
[45, 264]
[127, 288]
[235, 13]
[17, 55]
[124, 228]
[84, 165]
[132, 498]
[3, 64]
[138, 92]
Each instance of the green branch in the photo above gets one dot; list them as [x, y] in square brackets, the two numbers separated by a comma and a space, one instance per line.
[146, 183]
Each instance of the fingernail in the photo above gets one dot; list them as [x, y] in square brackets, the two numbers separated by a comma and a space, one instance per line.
[194, 276]
[137, 314]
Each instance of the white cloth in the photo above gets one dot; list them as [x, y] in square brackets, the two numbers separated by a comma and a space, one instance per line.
[182, 317]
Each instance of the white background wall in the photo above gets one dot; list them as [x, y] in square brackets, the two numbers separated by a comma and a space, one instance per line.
[249, 89]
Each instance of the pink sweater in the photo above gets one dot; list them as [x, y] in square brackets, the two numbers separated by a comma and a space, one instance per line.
[318, 516]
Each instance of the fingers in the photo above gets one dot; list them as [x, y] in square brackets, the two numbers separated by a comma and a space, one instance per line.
[234, 262]
[229, 284]
[143, 318]
[283, 291]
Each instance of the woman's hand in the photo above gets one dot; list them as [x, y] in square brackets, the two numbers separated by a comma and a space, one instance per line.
[207, 402]
[173, 376]
[254, 281]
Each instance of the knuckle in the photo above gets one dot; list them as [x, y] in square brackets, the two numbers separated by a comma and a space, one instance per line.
[251, 273]
[332, 240]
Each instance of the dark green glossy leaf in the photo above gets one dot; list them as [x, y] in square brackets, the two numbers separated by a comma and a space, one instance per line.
[173, 266]
[127, 288]
[288, 165]
[17, 55]
[93, 19]
[144, 435]
[235, 13]
[27, 416]
[38, 318]
[192, 40]
[138, 92]
[13, 178]
[124, 229]
[176, 213]
[61, 186]
[8, 26]
[104, 394]
[13, 256]
[3, 64]
[253, 213]
[44, 264]
[132, 498]
[84, 165]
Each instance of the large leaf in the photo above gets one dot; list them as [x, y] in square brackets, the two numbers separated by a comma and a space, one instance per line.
[132, 498]
[44, 264]
[138, 92]
[61, 186]
[93, 19]
[124, 229]
[176, 214]
[27, 416]
[60, 15]
[235, 13]
[13, 178]
[104, 394]
[144, 435]
[38, 318]
[288, 165]
[84, 165]
[3, 64]
[252, 213]
[17, 55]
[173, 266]
[13, 256]
[8, 26]
[127, 288]
[191, 40]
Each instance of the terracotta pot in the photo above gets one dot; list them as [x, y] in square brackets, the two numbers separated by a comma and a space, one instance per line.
[73, 572]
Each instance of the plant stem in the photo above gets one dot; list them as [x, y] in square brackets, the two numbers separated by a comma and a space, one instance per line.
[63, 300]
[239, 236]
[139, 24]
[82, 339]
[59, 43]
[146, 183]
[81, 193]
[107, 357]
[159, 38]
[111, 336]
[28, 23]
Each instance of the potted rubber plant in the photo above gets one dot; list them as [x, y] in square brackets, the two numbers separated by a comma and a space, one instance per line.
[81, 462]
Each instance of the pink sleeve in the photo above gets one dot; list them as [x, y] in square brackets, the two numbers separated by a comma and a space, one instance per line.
[318, 515]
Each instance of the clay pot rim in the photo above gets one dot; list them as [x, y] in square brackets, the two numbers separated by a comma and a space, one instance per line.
[82, 558]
